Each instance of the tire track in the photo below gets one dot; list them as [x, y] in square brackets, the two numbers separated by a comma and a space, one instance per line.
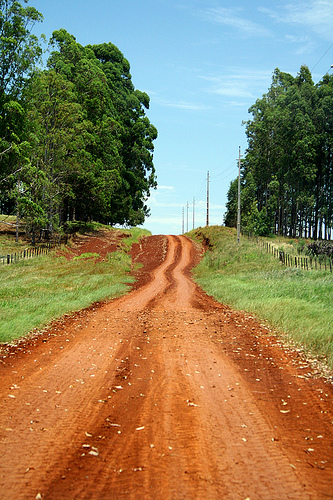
[154, 395]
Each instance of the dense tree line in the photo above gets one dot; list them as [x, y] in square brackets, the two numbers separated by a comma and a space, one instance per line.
[75, 143]
[287, 171]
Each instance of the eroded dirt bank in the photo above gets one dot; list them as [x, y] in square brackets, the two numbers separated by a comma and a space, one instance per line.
[162, 394]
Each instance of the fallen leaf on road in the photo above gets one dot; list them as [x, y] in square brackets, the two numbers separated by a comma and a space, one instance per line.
[93, 453]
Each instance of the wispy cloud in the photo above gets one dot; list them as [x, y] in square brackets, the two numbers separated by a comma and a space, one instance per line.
[316, 15]
[153, 202]
[189, 106]
[165, 188]
[229, 87]
[303, 44]
[238, 83]
[233, 19]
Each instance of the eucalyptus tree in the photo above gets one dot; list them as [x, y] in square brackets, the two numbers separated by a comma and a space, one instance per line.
[19, 51]
[117, 168]
[288, 168]
[323, 205]
[60, 135]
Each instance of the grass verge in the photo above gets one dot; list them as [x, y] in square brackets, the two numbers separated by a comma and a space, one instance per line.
[36, 291]
[296, 302]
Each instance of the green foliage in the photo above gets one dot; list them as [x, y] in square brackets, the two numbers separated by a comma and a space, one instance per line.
[75, 143]
[87, 255]
[287, 174]
[297, 303]
[116, 173]
[19, 49]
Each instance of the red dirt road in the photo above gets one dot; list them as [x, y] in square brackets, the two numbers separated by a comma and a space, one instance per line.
[163, 394]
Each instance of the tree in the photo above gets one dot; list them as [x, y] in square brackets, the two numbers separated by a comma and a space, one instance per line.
[91, 144]
[122, 146]
[59, 135]
[230, 217]
[19, 51]
[287, 172]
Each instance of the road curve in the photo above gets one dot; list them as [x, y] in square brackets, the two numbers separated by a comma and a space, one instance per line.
[162, 394]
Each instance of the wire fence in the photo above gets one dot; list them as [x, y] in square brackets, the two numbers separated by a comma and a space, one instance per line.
[27, 253]
[35, 251]
[322, 262]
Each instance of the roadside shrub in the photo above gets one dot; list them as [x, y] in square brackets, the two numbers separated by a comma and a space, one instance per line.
[321, 248]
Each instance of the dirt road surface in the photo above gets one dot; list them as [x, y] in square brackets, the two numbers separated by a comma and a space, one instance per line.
[162, 394]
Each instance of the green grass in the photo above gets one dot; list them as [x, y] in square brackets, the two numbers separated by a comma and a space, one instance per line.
[35, 291]
[296, 302]
[9, 246]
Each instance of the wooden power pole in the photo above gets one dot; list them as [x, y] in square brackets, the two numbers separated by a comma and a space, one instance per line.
[238, 199]
[187, 217]
[207, 218]
[193, 210]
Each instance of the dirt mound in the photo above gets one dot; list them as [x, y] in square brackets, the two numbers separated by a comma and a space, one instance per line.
[101, 243]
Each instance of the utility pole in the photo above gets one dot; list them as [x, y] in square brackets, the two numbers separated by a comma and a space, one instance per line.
[238, 201]
[183, 220]
[187, 217]
[193, 210]
[207, 218]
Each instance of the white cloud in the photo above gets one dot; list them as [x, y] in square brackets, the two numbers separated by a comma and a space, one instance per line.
[235, 89]
[154, 202]
[304, 43]
[231, 18]
[202, 205]
[239, 83]
[165, 188]
[316, 15]
[190, 106]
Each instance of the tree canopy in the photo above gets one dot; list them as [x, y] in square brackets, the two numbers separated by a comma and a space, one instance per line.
[75, 141]
[287, 172]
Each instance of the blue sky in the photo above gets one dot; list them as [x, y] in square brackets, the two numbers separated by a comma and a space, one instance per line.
[203, 63]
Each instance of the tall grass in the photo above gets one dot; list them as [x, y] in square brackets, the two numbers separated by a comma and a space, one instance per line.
[34, 292]
[295, 301]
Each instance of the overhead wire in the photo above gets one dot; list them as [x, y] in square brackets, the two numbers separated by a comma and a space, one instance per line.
[234, 163]
[322, 57]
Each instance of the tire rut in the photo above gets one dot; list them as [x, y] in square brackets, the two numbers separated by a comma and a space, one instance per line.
[163, 393]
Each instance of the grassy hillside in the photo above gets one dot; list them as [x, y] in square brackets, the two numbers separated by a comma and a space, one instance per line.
[35, 291]
[297, 302]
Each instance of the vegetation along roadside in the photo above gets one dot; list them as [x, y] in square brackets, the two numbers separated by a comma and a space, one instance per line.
[36, 291]
[294, 301]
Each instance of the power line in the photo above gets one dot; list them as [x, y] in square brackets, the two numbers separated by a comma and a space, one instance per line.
[322, 57]
[207, 218]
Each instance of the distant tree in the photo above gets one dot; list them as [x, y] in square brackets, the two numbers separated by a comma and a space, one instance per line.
[230, 217]
[287, 179]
